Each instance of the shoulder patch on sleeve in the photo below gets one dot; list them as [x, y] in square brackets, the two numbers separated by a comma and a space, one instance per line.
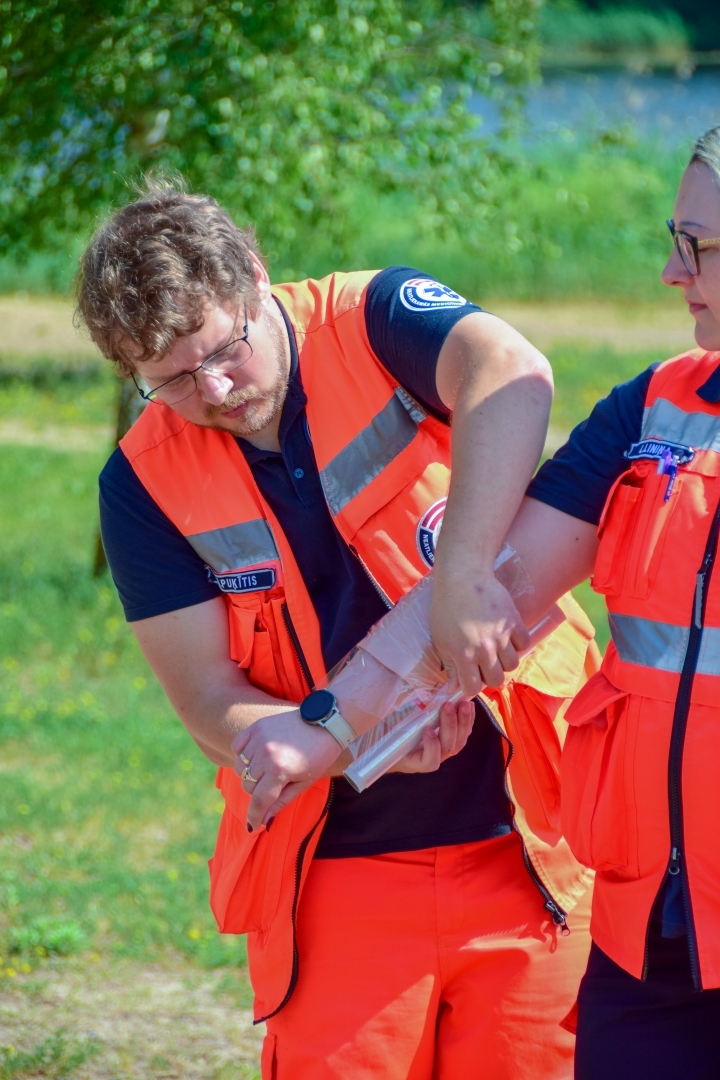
[424, 294]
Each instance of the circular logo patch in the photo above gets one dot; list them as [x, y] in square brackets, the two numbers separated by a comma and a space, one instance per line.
[428, 531]
[424, 294]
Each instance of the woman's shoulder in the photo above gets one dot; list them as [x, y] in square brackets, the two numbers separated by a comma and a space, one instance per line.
[687, 372]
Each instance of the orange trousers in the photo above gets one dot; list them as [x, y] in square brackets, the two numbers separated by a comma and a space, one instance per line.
[439, 964]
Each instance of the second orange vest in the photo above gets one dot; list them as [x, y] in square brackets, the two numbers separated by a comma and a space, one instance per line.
[641, 771]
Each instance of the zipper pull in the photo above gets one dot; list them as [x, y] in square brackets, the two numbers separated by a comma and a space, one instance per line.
[558, 917]
[699, 588]
[674, 866]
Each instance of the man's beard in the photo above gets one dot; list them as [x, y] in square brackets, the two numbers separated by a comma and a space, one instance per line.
[265, 405]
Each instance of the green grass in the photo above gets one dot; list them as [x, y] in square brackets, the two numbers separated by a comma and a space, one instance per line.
[108, 811]
[89, 401]
[584, 374]
[55, 1056]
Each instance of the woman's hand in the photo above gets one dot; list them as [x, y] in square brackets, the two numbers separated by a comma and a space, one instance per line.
[442, 742]
[278, 757]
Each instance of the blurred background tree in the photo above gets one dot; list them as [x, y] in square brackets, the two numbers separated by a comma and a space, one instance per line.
[276, 108]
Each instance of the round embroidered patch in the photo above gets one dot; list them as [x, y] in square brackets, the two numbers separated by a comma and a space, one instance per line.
[428, 531]
[424, 294]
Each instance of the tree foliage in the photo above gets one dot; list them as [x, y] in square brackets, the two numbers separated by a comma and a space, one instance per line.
[276, 108]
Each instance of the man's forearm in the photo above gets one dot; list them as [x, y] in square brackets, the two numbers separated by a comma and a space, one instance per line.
[215, 718]
[500, 389]
[499, 424]
[189, 652]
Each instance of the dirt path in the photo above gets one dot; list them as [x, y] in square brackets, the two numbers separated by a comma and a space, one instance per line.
[147, 1021]
[664, 325]
[42, 326]
[90, 437]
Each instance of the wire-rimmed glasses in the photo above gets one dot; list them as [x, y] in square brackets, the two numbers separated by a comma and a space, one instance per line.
[233, 355]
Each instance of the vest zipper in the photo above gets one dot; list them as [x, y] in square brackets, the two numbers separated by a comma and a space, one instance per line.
[557, 914]
[677, 744]
[295, 641]
[376, 584]
[299, 860]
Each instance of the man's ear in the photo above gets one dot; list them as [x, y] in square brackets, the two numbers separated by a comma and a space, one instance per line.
[262, 279]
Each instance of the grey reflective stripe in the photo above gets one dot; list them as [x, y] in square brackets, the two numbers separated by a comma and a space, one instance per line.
[662, 645]
[663, 420]
[236, 546]
[387, 434]
[413, 407]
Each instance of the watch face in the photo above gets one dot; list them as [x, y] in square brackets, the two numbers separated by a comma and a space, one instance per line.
[317, 706]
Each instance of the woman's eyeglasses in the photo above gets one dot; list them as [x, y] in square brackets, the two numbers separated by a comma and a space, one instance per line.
[689, 247]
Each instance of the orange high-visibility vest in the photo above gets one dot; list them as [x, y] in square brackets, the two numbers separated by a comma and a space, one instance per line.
[641, 770]
[384, 465]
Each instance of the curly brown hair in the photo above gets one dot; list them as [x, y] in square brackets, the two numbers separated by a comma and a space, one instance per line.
[150, 270]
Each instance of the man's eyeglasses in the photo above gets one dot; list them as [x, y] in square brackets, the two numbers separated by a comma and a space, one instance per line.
[689, 247]
[233, 355]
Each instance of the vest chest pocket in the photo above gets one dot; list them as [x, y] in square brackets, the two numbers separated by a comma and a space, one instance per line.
[260, 645]
[633, 531]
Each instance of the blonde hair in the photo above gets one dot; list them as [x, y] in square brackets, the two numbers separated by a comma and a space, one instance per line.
[707, 151]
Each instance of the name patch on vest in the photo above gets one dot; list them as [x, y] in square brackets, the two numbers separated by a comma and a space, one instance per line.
[664, 451]
[237, 582]
[428, 531]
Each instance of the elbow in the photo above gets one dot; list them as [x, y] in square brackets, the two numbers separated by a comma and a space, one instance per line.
[542, 368]
[531, 363]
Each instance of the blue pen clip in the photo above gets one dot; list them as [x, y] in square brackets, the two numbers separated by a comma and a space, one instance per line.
[670, 463]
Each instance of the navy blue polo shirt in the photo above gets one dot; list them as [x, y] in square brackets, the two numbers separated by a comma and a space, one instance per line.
[157, 571]
[577, 480]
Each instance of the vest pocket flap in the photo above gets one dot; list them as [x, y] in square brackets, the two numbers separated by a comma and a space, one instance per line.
[590, 704]
[242, 633]
[233, 856]
[614, 531]
[257, 644]
[599, 801]
[240, 870]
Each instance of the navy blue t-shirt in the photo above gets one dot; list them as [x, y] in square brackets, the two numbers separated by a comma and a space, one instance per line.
[157, 571]
[578, 478]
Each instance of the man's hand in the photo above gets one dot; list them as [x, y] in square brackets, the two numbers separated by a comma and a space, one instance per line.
[477, 630]
[442, 742]
[285, 756]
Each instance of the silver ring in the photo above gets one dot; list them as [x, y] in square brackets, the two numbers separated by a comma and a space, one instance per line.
[246, 775]
[245, 761]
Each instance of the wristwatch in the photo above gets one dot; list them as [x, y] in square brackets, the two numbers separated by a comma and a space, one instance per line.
[320, 709]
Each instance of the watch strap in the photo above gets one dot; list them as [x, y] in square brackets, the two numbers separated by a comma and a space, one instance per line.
[338, 728]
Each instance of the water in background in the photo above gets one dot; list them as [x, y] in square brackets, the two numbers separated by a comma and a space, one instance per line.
[658, 105]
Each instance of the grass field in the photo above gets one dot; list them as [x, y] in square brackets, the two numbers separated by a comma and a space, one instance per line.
[107, 810]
